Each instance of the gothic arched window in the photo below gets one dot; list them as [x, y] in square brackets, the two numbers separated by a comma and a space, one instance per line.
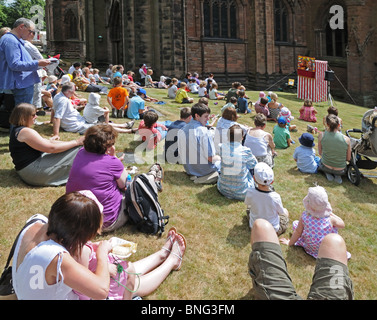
[220, 18]
[336, 41]
[71, 25]
[281, 21]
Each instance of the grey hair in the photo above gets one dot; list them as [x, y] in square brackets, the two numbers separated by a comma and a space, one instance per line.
[27, 22]
[68, 86]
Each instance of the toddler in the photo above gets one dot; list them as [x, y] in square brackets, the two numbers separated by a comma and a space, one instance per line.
[52, 85]
[304, 155]
[282, 137]
[161, 83]
[308, 112]
[202, 90]
[193, 86]
[286, 113]
[315, 223]
[264, 203]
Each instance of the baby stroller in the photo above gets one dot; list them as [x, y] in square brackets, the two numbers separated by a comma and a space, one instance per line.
[363, 149]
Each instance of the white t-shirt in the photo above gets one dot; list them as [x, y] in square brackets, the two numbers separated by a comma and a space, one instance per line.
[70, 118]
[172, 91]
[265, 205]
[212, 94]
[202, 91]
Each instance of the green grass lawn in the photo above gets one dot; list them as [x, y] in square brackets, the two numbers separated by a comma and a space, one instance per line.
[216, 228]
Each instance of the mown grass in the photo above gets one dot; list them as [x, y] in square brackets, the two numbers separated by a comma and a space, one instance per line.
[216, 228]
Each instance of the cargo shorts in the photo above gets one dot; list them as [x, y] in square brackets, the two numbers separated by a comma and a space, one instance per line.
[271, 280]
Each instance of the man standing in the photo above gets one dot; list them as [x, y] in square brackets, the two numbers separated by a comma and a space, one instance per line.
[18, 71]
[65, 116]
[196, 148]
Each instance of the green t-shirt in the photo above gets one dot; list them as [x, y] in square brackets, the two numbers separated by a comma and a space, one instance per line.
[334, 149]
[280, 137]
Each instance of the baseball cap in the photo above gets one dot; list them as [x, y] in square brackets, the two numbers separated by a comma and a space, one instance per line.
[141, 91]
[263, 174]
[282, 120]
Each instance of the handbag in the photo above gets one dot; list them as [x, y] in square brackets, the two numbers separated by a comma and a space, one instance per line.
[6, 286]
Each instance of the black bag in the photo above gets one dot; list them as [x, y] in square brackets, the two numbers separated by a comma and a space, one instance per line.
[6, 286]
[143, 207]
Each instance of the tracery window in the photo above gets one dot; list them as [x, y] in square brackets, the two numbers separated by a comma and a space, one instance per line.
[220, 18]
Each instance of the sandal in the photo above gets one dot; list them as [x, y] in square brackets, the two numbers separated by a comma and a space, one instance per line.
[180, 254]
[170, 237]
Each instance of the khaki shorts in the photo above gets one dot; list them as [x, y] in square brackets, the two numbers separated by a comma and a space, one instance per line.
[271, 280]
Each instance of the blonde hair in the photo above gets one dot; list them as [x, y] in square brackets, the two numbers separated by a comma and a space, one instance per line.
[274, 96]
[149, 71]
[202, 84]
[172, 82]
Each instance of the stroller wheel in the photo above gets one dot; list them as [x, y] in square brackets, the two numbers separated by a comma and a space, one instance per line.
[353, 174]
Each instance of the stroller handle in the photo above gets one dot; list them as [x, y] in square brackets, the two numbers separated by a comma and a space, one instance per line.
[353, 130]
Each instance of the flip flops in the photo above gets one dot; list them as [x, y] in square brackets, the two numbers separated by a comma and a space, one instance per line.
[180, 255]
[170, 237]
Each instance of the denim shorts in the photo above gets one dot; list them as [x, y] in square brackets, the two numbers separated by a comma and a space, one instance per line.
[271, 280]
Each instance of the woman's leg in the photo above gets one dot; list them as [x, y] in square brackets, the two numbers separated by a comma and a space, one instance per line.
[150, 281]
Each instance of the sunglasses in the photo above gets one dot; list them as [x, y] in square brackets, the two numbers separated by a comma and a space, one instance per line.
[31, 31]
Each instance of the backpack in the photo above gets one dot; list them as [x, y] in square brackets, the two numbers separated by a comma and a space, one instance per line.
[143, 207]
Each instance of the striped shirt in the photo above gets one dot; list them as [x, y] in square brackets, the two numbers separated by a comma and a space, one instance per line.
[235, 178]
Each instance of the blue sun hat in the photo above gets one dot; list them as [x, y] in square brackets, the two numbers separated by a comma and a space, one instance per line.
[307, 140]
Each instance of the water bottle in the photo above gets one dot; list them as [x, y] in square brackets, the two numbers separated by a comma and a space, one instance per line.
[128, 180]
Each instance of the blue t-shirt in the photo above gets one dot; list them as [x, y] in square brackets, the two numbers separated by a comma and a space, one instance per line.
[305, 157]
[136, 103]
[242, 105]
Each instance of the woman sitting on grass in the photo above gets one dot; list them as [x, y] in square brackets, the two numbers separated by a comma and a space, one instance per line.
[39, 161]
[335, 150]
[58, 246]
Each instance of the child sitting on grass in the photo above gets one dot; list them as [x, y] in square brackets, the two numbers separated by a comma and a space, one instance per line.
[182, 96]
[282, 137]
[315, 223]
[304, 155]
[264, 203]
[94, 113]
[150, 130]
[172, 88]
[308, 112]
[118, 98]
[242, 103]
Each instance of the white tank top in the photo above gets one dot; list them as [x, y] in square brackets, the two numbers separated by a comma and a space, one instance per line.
[29, 280]
[258, 146]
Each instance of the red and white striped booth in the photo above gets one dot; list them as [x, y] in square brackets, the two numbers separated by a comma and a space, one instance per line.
[313, 86]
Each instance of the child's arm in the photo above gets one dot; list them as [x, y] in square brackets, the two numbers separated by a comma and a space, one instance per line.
[336, 221]
[161, 126]
[295, 236]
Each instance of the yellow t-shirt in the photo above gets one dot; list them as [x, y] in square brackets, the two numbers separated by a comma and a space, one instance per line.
[181, 94]
[118, 97]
